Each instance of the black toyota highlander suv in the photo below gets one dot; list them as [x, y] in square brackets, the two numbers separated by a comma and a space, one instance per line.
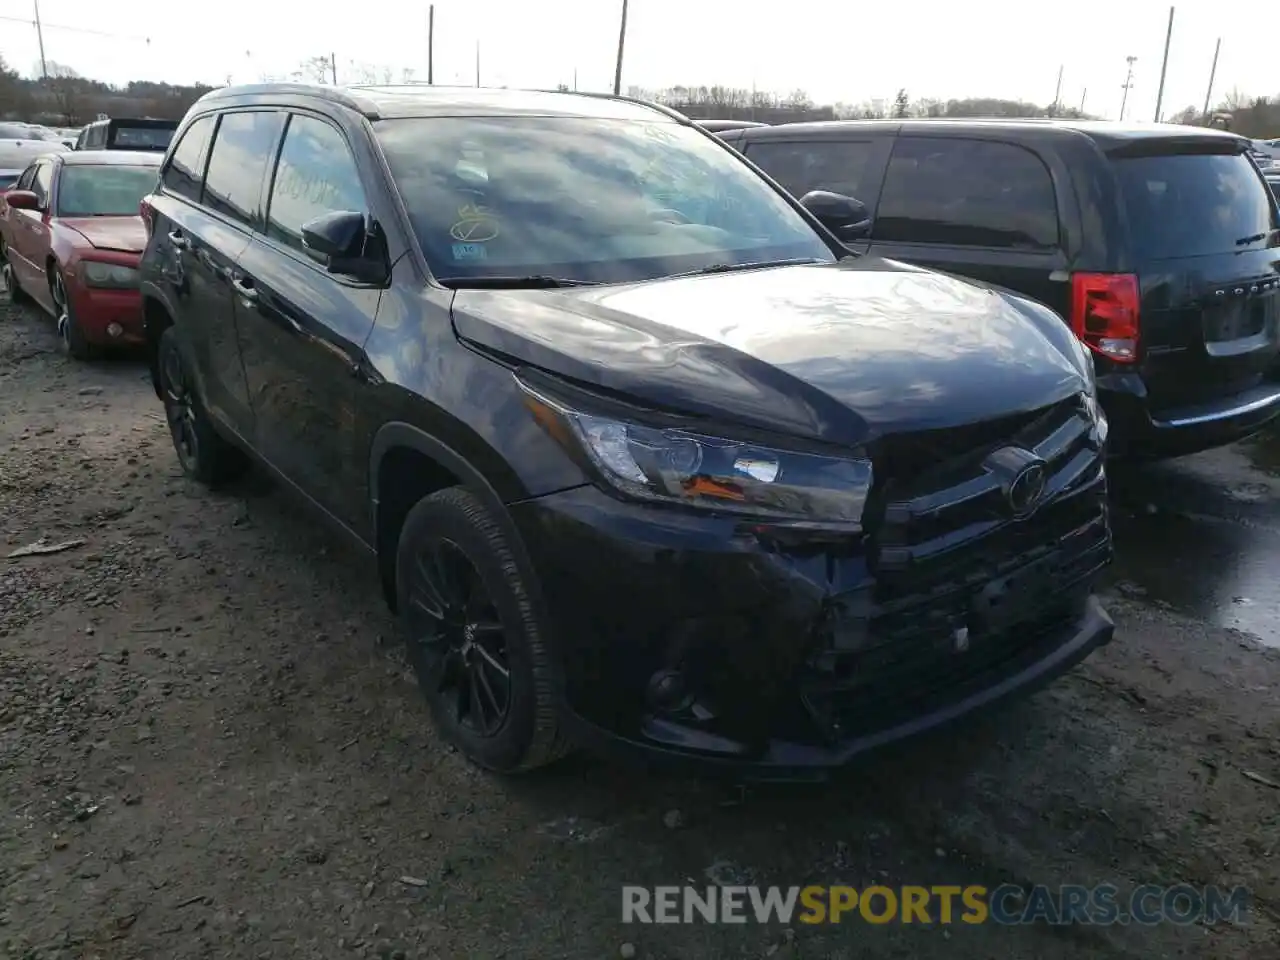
[1157, 243]
[644, 456]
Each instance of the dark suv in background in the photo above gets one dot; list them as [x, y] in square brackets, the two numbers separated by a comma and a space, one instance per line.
[643, 454]
[126, 133]
[1157, 244]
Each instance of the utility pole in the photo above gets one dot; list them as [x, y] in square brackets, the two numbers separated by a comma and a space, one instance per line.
[1164, 65]
[44, 66]
[575, 79]
[1128, 83]
[431, 43]
[1212, 73]
[1082, 96]
[622, 42]
[333, 67]
[1057, 95]
[477, 63]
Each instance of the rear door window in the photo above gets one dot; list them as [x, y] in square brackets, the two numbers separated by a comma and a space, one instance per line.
[836, 165]
[243, 148]
[185, 171]
[978, 193]
[1193, 205]
[141, 138]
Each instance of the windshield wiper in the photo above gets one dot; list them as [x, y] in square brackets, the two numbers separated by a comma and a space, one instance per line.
[535, 282]
[755, 265]
[1245, 241]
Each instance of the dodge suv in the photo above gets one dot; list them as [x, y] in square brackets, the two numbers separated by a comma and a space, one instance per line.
[643, 455]
[1157, 243]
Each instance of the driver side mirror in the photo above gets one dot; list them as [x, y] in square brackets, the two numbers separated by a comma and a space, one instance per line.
[22, 200]
[347, 243]
[844, 216]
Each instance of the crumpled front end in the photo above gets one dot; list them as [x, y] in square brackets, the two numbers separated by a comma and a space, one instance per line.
[779, 651]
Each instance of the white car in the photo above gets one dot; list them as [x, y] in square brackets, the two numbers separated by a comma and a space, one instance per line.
[1267, 153]
[19, 146]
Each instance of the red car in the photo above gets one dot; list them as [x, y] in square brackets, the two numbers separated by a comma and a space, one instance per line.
[70, 239]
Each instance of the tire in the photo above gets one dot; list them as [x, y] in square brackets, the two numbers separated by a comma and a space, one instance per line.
[449, 546]
[202, 452]
[13, 293]
[74, 343]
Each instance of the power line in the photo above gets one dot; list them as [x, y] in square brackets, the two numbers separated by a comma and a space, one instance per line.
[86, 30]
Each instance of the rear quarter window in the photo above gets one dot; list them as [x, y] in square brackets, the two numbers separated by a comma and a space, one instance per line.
[955, 192]
[185, 171]
[1191, 205]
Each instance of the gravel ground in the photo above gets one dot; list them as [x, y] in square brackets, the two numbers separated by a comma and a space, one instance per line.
[209, 747]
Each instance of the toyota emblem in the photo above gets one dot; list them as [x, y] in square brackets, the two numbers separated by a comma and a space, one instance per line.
[1023, 478]
[1027, 489]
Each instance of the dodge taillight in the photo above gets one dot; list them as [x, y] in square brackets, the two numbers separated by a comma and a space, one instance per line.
[1104, 313]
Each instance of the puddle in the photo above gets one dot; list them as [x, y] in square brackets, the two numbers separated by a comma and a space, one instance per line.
[1202, 534]
[1212, 569]
[1264, 451]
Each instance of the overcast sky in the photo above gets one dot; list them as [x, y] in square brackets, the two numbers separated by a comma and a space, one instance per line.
[834, 49]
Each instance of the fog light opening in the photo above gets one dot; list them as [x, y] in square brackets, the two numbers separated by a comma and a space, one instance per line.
[668, 692]
[114, 329]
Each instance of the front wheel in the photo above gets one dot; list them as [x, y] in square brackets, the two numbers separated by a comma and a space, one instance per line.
[74, 342]
[13, 293]
[202, 452]
[473, 635]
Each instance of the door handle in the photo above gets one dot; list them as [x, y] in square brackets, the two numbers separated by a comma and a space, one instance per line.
[178, 240]
[244, 287]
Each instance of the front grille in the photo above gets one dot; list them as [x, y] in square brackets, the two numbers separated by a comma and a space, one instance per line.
[945, 553]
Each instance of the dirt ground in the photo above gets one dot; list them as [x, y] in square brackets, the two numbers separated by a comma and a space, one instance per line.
[209, 747]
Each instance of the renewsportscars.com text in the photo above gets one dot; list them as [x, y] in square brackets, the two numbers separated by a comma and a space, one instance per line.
[974, 904]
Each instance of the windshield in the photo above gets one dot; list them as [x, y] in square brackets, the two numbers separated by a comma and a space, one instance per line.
[105, 190]
[141, 138]
[1195, 205]
[584, 199]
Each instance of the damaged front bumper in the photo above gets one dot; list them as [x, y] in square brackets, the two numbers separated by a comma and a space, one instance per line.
[775, 654]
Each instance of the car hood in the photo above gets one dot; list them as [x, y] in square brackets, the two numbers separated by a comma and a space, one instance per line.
[126, 234]
[840, 352]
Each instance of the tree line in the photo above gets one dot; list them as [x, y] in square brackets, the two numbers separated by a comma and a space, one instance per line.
[65, 98]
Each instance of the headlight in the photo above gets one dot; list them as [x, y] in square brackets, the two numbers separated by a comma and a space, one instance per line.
[108, 274]
[680, 466]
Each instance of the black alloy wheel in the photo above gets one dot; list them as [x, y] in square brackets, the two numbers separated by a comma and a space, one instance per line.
[463, 644]
[474, 634]
[202, 452]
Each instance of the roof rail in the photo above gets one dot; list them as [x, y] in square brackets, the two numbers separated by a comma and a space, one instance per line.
[638, 101]
[337, 95]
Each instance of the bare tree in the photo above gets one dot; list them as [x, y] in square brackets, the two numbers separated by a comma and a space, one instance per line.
[362, 73]
[798, 100]
[406, 75]
[316, 69]
[902, 105]
[1236, 99]
[14, 95]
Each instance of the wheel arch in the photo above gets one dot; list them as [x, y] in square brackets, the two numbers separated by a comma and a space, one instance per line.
[156, 318]
[427, 463]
